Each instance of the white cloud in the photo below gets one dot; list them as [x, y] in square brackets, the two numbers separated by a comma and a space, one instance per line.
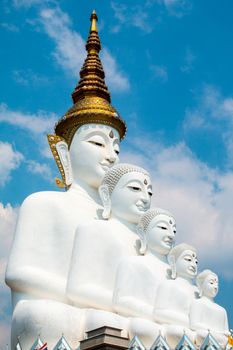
[159, 72]
[199, 196]
[8, 216]
[70, 48]
[41, 169]
[9, 161]
[29, 3]
[189, 60]
[213, 112]
[10, 27]
[136, 16]
[37, 123]
[116, 80]
[69, 45]
[29, 78]
[5, 334]
[177, 8]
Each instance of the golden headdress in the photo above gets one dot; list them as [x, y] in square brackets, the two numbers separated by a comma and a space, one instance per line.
[91, 98]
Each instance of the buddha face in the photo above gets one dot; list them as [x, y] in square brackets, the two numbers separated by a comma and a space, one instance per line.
[210, 286]
[160, 235]
[131, 197]
[186, 264]
[94, 149]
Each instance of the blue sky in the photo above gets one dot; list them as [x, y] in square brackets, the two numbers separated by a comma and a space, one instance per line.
[168, 66]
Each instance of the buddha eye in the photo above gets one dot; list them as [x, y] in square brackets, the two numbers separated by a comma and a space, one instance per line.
[174, 231]
[99, 144]
[188, 258]
[135, 188]
[116, 151]
[150, 193]
[162, 227]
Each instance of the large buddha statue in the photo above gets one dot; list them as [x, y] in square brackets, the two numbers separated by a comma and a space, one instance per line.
[205, 315]
[85, 146]
[138, 277]
[174, 296]
[101, 244]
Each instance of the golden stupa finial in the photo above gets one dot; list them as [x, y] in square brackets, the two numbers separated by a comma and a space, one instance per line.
[94, 20]
[91, 98]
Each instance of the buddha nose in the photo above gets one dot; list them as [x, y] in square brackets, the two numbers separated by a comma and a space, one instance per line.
[145, 197]
[111, 155]
[111, 159]
[171, 233]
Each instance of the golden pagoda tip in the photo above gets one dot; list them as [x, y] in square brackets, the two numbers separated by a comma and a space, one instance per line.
[94, 20]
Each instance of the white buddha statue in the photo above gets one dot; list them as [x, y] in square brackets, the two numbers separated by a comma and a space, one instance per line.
[85, 146]
[101, 244]
[174, 296]
[138, 277]
[205, 315]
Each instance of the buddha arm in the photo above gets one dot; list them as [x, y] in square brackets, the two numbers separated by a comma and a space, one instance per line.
[31, 269]
[195, 316]
[126, 300]
[89, 282]
[91, 296]
[35, 282]
[130, 306]
[170, 316]
[169, 306]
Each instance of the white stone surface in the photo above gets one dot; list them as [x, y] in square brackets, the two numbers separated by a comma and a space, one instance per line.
[40, 257]
[71, 271]
[174, 296]
[138, 277]
[205, 314]
[100, 245]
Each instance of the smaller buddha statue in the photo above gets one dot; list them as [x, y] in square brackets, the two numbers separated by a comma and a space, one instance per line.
[138, 277]
[205, 315]
[174, 296]
[100, 245]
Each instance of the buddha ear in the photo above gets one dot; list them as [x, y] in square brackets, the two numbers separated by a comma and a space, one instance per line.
[172, 263]
[142, 237]
[61, 155]
[106, 201]
[199, 286]
[64, 155]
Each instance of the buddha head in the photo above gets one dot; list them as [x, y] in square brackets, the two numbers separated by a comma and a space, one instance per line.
[156, 229]
[126, 192]
[87, 137]
[183, 261]
[207, 282]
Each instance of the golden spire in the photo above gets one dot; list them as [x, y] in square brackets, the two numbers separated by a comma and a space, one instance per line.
[94, 20]
[92, 73]
[91, 98]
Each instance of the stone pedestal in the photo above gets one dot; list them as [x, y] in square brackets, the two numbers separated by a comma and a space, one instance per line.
[105, 338]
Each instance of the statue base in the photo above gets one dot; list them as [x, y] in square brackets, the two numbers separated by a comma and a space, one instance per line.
[105, 338]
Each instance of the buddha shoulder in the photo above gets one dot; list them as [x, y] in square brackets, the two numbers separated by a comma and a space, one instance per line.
[44, 200]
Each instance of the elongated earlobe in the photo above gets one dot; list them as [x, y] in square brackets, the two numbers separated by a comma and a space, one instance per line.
[199, 286]
[142, 237]
[105, 198]
[63, 152]
[172, 263]
[61, 155]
